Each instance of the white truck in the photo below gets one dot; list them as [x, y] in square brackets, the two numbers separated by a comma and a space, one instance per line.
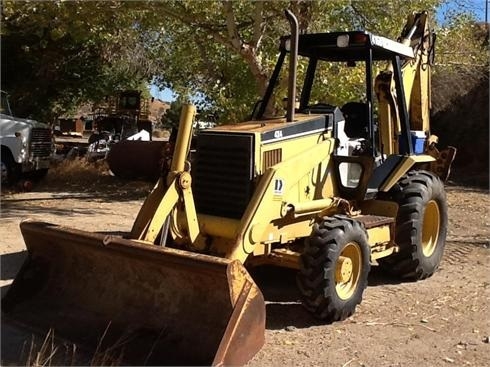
[26, 146]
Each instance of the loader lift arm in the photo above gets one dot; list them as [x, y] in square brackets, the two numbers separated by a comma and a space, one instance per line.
[167, 194]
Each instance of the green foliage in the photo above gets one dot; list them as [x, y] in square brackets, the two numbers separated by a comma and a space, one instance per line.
[227, 50]
[58, 54]
[461, 56]
[462, 41]
[172, 117]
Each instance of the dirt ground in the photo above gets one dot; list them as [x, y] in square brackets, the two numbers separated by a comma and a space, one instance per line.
[441, 321]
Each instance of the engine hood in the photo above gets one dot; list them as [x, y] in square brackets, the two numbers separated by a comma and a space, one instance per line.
[10, 124]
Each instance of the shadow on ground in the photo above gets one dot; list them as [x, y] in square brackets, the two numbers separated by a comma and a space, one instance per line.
[10, 265]
[78, 177]
[16, 208]
[283, 299]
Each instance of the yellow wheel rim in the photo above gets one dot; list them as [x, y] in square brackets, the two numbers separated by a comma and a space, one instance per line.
[430, 229]
[348, 270]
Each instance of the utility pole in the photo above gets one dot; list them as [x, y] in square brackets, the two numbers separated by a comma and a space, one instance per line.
[486, 16]
[486, 13]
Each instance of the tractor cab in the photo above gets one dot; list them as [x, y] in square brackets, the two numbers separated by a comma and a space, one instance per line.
[368, 146]
[358, 51]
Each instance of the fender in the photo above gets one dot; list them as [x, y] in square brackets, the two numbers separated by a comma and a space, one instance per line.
[405, 165]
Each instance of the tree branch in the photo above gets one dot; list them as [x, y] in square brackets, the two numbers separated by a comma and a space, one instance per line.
[233, 41]
[231, 26]
[202, 50]
[188, 18]
[360, 15]
[258, 24]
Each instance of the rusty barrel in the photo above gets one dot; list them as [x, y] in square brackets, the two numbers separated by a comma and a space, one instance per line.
[137, 159]
[159, 306]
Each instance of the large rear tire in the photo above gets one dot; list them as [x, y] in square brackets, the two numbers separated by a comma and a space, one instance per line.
[421, 226]
[334, 268]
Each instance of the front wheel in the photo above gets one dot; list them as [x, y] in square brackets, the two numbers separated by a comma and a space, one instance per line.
[9, 170]
[334, 268]
[37, 175]
[421, 226]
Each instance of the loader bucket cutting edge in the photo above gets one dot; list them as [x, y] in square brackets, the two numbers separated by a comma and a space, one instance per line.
[165, 306]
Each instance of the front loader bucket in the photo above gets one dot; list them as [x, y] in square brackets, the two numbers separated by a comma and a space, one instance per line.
[162, 306]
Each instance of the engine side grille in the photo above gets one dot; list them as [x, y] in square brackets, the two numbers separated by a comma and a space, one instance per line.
[41, 143]
[222, 174]
[271, 158]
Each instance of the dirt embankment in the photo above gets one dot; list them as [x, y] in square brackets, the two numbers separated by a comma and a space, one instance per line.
[464, 124]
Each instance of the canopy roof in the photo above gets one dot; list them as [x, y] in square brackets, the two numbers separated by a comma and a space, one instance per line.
[324, 46]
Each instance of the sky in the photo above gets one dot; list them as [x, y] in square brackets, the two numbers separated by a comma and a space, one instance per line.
[476, 7]
[164, 95]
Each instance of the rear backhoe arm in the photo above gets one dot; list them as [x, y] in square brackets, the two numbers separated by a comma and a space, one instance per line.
[171, 190]
[416, 86]
[417, 96]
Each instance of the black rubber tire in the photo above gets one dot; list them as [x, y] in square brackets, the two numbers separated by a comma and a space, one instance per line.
[13, 169]
[97, 136]
[316, 278]
[413, 193]
[93, 138]
[38, 175]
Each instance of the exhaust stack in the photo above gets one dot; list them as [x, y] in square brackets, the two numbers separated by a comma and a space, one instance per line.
[293, 63]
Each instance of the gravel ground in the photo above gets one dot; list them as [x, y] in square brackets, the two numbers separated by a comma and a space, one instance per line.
[440, 321]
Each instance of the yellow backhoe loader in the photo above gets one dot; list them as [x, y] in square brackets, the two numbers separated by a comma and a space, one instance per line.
[325, 190]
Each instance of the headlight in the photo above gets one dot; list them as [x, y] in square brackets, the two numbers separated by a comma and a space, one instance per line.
[287, 44]
[343, 40]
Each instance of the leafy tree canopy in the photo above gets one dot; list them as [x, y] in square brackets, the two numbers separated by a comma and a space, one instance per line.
[56, 55]
[226, 50]
[60, 53]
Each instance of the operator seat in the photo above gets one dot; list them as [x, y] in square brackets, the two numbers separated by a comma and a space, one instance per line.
[356, 119]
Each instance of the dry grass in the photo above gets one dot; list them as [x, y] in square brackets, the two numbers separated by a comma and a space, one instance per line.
[108, 356]
[68, 174]
[77, 170]
[53, 352]
[80, 175]
[56, 352]
[44, 355]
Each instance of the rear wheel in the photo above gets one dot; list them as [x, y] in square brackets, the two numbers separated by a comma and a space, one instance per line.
[334, 269]
[421, 226]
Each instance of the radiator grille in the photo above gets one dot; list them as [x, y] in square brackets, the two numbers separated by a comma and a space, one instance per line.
[222, 174]
[271, 158]
[41, 144]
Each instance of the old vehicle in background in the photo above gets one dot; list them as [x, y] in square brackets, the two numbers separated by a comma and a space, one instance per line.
[123, 135]
[26, 146]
